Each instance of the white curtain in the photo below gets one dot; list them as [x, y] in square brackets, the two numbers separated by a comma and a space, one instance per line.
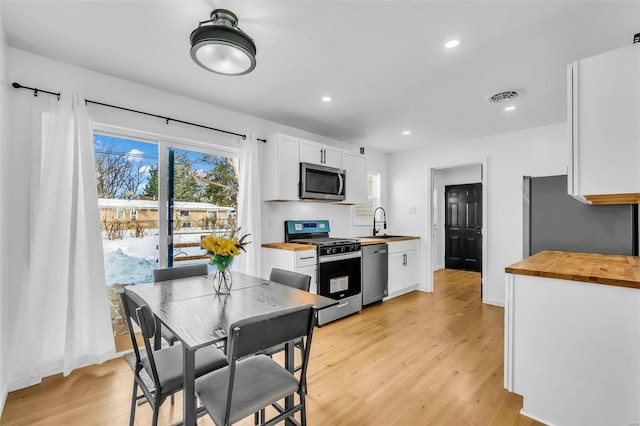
[249, 205]
[64, 321]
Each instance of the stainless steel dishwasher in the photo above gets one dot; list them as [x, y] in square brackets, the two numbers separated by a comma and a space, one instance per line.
[375, 273]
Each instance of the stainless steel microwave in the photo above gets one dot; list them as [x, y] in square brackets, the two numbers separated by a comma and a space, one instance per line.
[322, 183]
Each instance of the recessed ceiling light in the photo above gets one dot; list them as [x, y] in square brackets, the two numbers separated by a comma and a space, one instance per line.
[326, 99]
[510, 108]
[451, 44]
[406, 132]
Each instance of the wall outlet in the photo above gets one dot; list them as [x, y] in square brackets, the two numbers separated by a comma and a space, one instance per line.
[412, 209]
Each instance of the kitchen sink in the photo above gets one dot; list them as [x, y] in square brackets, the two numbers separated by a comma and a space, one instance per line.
[382, 236]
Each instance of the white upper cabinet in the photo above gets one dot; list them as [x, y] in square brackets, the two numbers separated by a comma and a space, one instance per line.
[317, 153]
[356, 168]
[604, 127]
[281, 168]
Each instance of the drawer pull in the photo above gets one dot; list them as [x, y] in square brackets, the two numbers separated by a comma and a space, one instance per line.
[308, 257]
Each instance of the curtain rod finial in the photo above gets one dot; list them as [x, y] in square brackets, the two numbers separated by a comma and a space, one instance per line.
[16, 85]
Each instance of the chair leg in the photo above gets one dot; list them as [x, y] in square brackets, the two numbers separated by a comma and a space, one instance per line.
[303, 411]
[173, 398]
[156, 409]
[132, 416]
[262, 416]
[256, 418]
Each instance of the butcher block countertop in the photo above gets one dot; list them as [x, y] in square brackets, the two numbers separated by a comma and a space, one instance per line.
[289, 246]
[608, 269]
[373, 240]
[363, 241]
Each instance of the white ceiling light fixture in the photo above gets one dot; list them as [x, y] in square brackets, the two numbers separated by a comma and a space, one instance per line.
[510, 108]
[218, 45]
[452, 43]
[406, 132]
[326, 99]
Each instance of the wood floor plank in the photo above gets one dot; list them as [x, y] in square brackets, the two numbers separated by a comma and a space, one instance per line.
[418, 359]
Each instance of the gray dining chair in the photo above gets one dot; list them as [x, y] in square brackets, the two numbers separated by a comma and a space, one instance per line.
[253, 381]
[295, 280]
[164, 366]
[165, 274]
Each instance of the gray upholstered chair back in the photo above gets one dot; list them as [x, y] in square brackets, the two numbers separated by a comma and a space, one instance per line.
[165, 274]
[261, 332]
[291, 279]
[135, 308]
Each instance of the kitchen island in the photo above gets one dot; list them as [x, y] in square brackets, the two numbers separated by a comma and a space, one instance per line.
[572, 337]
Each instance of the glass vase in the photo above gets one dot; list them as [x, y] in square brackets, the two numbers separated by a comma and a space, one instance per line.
[222, 281]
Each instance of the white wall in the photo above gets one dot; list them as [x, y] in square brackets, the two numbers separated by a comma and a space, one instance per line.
[510, 156]
[442, 178]
[4, 140]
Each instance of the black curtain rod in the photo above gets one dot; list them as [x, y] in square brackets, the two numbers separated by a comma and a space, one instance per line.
[167, 119]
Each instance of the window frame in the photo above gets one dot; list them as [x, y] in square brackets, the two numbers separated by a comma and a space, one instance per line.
[363, 217]
[164, 142]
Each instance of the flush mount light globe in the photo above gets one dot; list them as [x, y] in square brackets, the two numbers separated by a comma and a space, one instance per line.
[218, 45]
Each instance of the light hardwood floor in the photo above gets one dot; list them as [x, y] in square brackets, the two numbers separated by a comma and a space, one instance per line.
[422, 358]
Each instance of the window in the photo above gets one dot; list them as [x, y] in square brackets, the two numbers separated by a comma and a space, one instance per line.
[363, 213]
[144, 173]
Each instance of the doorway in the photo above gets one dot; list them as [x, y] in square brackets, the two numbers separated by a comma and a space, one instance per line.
[457, 174]
[463, 227]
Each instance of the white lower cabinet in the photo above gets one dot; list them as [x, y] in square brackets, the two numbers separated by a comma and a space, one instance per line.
[301, 261]
[403, 266]
[572, 350]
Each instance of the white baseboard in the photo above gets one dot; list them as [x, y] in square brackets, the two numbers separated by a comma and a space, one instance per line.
[438, 267]
[3, 396]
[494, 302]
[538, 419]
[401, 292]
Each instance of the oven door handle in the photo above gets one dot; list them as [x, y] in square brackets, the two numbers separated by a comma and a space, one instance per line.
[336, 257]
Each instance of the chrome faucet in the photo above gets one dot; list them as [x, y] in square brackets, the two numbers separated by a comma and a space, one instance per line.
[384, 223]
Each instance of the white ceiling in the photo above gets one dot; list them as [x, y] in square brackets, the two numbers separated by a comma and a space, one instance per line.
[383, 62]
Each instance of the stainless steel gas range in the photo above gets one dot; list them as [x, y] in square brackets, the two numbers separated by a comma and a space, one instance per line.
[339, 266]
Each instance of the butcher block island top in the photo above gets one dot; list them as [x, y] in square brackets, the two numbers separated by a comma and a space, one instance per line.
[607, 269]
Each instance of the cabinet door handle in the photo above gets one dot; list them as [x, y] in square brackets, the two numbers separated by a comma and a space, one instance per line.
[321, 156]
[404, 260]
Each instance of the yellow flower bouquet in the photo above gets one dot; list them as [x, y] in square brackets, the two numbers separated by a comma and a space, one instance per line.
[222, 249]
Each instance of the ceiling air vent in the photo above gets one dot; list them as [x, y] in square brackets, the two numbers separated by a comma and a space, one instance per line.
[503, 96]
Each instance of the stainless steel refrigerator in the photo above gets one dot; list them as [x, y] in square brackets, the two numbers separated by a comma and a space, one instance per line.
[553, 220]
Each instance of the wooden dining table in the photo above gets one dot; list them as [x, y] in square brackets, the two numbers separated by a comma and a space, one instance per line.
[198, 317]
